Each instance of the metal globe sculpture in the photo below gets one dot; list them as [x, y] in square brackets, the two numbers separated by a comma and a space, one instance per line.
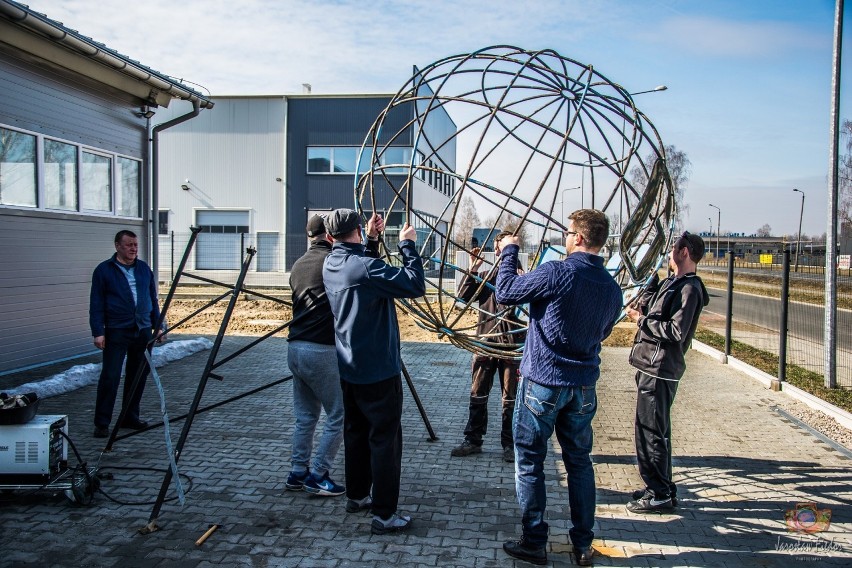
[530, 126]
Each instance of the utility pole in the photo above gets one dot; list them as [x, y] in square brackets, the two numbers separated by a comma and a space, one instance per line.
[799, 239]
[718, 227]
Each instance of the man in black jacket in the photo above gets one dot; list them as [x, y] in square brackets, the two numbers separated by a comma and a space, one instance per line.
[667, 317]
[496, 324]
[312, 359]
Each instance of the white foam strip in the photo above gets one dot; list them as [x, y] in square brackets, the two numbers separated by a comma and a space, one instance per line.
[80, 376]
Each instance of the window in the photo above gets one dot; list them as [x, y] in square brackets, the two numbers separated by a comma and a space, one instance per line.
[95, 182]
[338, 160]
[129, 187]
[162, 222]
[17, 168]
[60, 175]
[396, 155]
[74, 178]
[319, 160]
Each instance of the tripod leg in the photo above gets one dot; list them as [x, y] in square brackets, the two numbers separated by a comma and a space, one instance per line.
[432, 436]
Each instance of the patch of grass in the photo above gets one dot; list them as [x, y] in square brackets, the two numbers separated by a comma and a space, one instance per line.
[808, 381]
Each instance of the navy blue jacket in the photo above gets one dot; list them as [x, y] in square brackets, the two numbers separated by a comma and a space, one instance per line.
[111, 301]
[361, 291]
[574, 304]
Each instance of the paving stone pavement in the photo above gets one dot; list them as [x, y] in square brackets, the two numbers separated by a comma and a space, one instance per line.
[740, 467]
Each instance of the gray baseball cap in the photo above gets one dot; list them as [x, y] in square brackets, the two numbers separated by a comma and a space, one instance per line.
[342, 222]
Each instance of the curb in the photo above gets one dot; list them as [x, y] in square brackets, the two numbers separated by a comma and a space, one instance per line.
[841, 416]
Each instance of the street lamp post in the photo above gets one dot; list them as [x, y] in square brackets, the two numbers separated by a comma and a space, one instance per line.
[799, 239]
[710, 234]
[562, 203]
[718, 227]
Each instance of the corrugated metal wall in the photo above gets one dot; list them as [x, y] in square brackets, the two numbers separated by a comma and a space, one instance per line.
[47, 258]
[233, 158]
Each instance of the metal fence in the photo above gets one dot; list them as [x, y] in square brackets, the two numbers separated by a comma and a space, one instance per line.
[757, 312]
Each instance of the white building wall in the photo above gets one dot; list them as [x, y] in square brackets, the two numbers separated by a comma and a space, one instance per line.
[230, 158]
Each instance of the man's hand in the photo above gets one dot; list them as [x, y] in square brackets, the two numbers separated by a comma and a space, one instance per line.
[509, 240]
[408, 233]
[375, 226]
[475, 259]
[100, 341]
[634, 314]
[161, 336]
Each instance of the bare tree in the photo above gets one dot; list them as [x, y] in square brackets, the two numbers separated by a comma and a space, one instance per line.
[466, 220]
[764, 231]
[680, 168]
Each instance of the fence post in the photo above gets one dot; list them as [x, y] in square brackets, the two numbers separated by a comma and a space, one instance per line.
[172, 259]
[242, 247]
[785, 304]
[730, 315]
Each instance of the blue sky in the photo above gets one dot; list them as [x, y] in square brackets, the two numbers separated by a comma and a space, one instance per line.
[748, 82]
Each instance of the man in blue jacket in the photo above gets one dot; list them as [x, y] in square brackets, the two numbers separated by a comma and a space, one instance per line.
[361, 292]
[573, 304]
[123, 310]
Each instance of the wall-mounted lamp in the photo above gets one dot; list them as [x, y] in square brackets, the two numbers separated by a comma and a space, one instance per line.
[145, 112]
[184, 187]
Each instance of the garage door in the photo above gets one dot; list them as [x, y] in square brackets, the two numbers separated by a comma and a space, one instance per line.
[219, 245]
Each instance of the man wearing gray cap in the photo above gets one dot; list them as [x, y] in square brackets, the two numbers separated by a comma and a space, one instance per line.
[361, 289]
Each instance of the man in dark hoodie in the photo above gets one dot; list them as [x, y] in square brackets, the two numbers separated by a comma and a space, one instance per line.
[497, 324]
[667, 316]
[361, 290]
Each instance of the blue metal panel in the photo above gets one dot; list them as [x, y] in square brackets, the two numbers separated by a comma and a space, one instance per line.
[330, 121]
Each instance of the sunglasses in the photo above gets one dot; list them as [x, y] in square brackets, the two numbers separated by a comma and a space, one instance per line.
[683, 242]
[566, 233]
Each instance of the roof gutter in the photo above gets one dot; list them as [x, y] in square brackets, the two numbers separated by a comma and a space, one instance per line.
[155, 182]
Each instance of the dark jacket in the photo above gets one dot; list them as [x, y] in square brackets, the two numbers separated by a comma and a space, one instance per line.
[312, 319]
[574, 304]
[111, 301]
[665, 331]
[361, 290]
[496, 321]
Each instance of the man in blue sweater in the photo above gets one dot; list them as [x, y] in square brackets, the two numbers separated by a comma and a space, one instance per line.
[361, 292]
[573, 306]
[123, 310]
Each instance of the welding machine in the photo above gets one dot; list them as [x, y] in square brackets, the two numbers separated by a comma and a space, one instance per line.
[35, 452]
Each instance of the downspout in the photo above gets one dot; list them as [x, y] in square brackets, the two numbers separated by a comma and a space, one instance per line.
[155, 182]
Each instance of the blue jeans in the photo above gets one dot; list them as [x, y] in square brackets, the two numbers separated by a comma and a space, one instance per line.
[569, 411]
[316, 386]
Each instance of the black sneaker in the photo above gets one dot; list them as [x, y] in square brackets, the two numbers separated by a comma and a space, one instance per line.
[355, 505]
[101, 432]
[509, 454]
[396, 523]
[466, 449]
[649, 504]
[296, 481]
[640, 493]
[583, 556]
[522, 550]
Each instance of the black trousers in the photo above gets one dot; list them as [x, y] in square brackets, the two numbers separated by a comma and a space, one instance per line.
[653, 431]
[482, 379]
[372, 439]
[120, 343]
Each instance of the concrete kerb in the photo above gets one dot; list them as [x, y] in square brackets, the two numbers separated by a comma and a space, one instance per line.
[841, 416]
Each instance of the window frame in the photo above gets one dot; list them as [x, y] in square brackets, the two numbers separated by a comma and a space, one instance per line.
[41, 184]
